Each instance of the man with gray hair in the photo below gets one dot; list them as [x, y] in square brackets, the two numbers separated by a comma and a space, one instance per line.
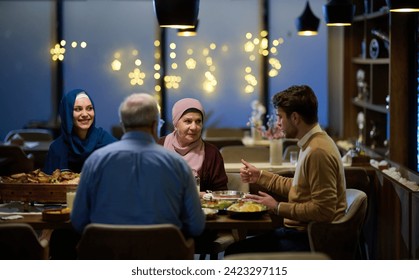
[135, 180]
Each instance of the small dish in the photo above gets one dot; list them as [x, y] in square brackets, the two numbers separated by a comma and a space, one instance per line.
[56, 215]
[210, 214]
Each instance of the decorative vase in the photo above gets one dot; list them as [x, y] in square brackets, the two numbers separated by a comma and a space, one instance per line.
[275, 151]
[255, 134]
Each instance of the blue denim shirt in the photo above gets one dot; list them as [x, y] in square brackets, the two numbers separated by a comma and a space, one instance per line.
[137, 181]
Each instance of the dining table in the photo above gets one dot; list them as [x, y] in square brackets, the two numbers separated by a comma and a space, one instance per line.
[239, 227]
[284, 167]
[234, 167]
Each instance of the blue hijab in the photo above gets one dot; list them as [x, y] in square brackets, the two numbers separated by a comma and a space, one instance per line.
[68, 151]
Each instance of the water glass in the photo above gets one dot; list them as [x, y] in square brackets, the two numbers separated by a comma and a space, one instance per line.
[294, 157]
[70, 195]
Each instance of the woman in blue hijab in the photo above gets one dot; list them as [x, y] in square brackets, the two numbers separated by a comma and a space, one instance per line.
[79, 135]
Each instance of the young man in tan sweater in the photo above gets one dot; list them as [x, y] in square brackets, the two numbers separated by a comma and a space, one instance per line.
[317, 190]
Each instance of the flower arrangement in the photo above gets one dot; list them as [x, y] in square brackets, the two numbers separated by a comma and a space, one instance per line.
[255, 120]
[272, 130]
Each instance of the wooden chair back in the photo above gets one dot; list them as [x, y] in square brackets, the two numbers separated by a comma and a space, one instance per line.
[20, 242]
[134, 242]
[15, 160]
[30, 134]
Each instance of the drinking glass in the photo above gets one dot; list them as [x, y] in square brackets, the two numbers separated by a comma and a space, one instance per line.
[294, 157]
[70, 195]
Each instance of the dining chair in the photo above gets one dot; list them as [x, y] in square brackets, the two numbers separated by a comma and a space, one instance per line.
[340, 239]
[233, 154]
[357, 178]
[278, 256]
[288, 142]
[30, 134]
[287, 152]
[19, 241]
[15, 160]
[214, 247]
[134, 242]
[235, 182]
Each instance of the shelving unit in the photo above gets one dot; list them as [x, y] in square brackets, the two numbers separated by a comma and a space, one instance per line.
[384, 102]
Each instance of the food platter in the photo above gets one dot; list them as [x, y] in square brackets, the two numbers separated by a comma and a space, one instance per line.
[36, 186]
[221, 200]
[34, 192]
[246, 210]
[219, 205]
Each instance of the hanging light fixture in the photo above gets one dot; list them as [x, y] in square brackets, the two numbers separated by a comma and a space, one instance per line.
[403, 6]
[176, 13]
[188, 32]
[307, 23]
[339, 12]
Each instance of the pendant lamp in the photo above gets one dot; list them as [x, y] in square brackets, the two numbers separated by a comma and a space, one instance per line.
[188, 32]
[176, 13]
[339, 12]
[403, 6]
[307, 23]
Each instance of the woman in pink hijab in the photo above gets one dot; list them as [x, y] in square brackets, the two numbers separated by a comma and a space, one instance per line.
[204, 158]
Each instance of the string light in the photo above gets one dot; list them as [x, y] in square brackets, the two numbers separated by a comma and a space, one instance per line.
[260, 46]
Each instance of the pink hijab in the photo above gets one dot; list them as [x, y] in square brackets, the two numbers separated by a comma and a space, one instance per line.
[194, 153]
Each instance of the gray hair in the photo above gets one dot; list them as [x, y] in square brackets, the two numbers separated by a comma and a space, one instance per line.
[138, 109]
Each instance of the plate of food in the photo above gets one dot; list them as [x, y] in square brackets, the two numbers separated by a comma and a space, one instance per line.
[220, 205]
[246, 210]
[210, 214]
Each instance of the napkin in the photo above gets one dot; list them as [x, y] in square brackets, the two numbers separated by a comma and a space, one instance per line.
[12, 217]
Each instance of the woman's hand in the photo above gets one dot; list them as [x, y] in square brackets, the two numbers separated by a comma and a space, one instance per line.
[249, 173]
[263, 198]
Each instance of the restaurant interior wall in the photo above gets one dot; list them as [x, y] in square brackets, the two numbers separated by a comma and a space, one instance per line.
[126, 30]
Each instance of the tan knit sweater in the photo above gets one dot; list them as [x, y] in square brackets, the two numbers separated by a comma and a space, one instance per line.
[317, 191]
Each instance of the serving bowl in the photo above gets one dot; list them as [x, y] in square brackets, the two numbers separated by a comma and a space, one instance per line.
[227, 195]
[246, 210]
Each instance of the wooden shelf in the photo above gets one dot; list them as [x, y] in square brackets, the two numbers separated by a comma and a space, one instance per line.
[383, 12]
[390, 75]
[370, 61]
[370, 106]
[367, 76]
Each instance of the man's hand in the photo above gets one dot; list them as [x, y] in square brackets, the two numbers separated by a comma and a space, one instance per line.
[263, 198]
[249, 173]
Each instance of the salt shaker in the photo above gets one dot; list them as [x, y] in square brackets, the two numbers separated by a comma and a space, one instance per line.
[197, 180]
[198, 183]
